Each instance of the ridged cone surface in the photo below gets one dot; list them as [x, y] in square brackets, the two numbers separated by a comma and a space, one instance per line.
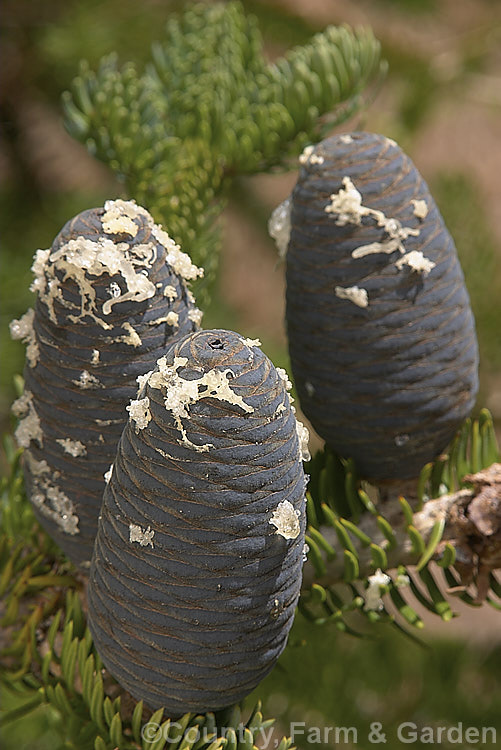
[88, 361]
[192, 590]
[386, 378]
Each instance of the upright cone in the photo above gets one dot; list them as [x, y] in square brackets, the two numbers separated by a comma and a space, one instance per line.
[111, 295]
[197, 564]
[381, 334]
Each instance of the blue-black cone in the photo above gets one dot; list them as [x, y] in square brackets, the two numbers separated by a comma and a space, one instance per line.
[111, 296]
[381, 334]
[197, 564]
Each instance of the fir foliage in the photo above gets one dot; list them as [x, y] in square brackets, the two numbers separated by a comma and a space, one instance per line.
[337, 500]
[210, 107]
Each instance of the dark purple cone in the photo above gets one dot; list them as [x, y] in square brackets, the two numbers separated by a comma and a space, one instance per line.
[197, 564]
[111, 297]
[381, 334]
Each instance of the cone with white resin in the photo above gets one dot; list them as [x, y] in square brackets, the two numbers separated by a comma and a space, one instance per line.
[112, 295]
[381, 335]
[197, 564]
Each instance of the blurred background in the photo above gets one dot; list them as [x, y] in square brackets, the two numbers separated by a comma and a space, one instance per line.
[442, 102]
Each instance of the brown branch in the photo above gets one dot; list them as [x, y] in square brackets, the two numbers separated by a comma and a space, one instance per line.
[472, 519]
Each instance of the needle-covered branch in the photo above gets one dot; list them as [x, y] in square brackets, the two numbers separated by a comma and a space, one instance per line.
[468, 521]
[209, 107]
